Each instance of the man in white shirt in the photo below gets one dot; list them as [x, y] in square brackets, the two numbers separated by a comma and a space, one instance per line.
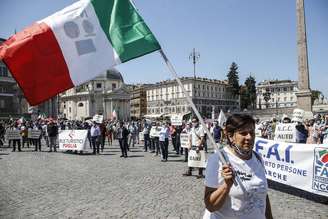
[95, 134]
[196, 141]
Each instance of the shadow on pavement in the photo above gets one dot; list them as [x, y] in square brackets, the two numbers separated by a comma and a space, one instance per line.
[135, 156]
[175, 160]
[297, 192]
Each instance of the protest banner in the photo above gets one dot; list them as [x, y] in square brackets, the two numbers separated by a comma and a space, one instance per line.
[325, 139]
[72, 140]
[184, 140]
[13, 134]
[98, 118]
[258, 130]
[303, 166]
[176, 119]
[34, 134]
[285, 132]
[196, 159]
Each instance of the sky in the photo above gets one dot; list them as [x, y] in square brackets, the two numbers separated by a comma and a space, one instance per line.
[258, 35]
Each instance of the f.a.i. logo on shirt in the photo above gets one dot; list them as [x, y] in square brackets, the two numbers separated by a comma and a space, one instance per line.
[320, 169]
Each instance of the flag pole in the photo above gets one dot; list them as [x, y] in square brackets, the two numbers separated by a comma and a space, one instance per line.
[215, 145]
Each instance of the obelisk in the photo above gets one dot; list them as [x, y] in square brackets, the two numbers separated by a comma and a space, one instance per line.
[304, 93]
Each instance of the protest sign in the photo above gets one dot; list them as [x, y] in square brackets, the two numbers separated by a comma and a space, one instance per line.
[176, 119]
[13, 134]
[285, 132]
[303, 166]
[298, 115]
[184, 140]
[98, 118]
[196, 159]
[72, 140]
[34, 134]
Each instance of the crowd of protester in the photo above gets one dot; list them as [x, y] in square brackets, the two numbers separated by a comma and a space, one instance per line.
[157, 135]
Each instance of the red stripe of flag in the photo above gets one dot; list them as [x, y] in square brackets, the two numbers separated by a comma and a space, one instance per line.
[35, 60]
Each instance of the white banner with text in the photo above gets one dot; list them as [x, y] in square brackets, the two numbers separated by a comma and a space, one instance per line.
[304, 166]
[72, 140]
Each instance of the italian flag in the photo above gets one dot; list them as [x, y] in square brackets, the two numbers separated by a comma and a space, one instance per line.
[74, 45]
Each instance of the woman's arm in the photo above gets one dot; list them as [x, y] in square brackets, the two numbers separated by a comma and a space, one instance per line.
[215, 198]
[268, 212]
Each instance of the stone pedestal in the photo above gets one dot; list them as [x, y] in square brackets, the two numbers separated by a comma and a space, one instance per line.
[304, 100]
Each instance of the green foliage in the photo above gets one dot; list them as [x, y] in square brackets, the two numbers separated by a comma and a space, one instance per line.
[315, 95]
[248, 93]
[233, 78]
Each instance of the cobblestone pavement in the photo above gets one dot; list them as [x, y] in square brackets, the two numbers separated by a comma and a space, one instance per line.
[64, 185]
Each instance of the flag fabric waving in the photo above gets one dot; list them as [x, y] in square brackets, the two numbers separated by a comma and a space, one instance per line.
[74, 45]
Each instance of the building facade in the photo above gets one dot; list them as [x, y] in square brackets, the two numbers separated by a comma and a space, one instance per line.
[166, 97]
[276, 94]
[12, 101]
[101, 95]
[138, 101]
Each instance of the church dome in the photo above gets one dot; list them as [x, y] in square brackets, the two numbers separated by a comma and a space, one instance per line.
[113, 74]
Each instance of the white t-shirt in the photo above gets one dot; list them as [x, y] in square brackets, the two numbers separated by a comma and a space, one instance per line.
[250, 204]
[196, 134]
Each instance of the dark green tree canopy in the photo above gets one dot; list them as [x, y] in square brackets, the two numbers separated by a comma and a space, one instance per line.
[233, 78]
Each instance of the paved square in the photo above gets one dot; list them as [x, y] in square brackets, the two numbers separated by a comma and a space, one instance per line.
[65, 185]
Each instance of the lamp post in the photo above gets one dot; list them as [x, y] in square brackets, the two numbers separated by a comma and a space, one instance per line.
[194, 56]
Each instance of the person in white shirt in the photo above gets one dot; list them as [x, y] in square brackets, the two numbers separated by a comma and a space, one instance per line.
[95, 134]
[164, 135]
[196, 142]
[249, 199]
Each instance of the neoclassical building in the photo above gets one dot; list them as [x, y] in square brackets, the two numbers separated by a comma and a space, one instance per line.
[279, 93]
[166, 97]
[101, 95]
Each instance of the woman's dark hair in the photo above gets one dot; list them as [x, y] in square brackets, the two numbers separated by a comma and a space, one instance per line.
[237, 122]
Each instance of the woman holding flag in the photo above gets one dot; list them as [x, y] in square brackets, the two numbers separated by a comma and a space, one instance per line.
[248, 199]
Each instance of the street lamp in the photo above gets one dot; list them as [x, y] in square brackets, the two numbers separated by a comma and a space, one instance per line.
[194, 56]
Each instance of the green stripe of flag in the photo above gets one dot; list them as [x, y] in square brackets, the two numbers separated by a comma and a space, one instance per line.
[125, 29]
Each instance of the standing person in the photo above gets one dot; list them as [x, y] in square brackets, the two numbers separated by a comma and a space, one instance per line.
[133, 133]
[2, 134]
[45, 133]
[146, 130]
[122, 134]
[52, 130]
[217, 130]
[301, 133]
[16, 141]
[37, 141]
[102, 136]
[196, 141]
[24, 132]
[173, 134]
[186, 130]
[248, 200]
[109, 129]
[156, 139]
[178, 130]
[164, 134]
[95, 137]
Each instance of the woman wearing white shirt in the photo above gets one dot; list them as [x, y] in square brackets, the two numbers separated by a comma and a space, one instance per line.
[248, 200]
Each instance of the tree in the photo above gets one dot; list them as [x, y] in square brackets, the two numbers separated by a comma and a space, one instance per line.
[244, 98]
[315, 95]
[250, 84]
[233, 78]
[248, 93]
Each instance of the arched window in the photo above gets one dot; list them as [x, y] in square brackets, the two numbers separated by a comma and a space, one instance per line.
[80, 105]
